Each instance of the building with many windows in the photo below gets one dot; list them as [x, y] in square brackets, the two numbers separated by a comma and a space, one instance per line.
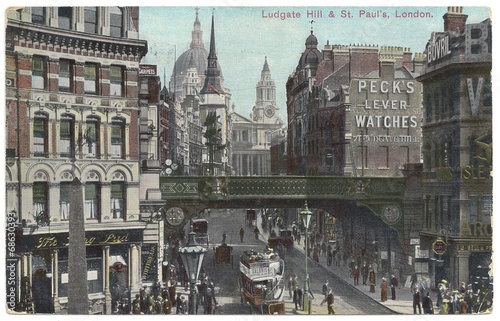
[72, 113]
[457, 151]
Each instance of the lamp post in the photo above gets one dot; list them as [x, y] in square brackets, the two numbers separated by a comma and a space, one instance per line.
[306, 219]
[192, 258]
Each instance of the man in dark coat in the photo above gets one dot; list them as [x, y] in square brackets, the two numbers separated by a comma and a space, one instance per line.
[330, 300]
[416, 301]
[355, 275]
[372, 280]
[296, 300]
[427, 304]
[242, 234]
[394, 284]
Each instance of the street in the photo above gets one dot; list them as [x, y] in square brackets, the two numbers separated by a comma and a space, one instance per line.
[348, 300]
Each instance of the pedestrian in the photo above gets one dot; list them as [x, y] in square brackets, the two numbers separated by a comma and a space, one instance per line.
[256, 232]
[242, 234]
[364, 272]
[330, 300]
[323, 248]
[209, 301]
[136, 305]
[329, 260]
[355, 275]
[315, 254]
[181, 305]
[324, 291]
[372, 280]
[296, 299]
[300, 294]
[416, 301]
[167, 306]
[463, 306]
[224, 235]
[383, 290]
[298, 237]
[427, 304]
[394, 284]
[290, 287]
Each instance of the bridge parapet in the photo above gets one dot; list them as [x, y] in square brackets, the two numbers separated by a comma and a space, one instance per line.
[285, 187]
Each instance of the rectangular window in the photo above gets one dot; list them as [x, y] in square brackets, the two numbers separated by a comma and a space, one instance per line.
[38, 15]
[64, 200]
[91, 79]
[65, 75]
[64, 16]
[473, 209]
[38, 73]
[92, 200]
[117, 200]
[40, 138]
[116, 81]
[486, 209]
[117, 139]
[90, 19]
[115, 21]
[40, 197]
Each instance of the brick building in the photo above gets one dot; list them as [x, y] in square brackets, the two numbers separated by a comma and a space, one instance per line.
[72, 115]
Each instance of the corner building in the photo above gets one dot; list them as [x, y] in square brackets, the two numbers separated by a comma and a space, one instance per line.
[72, 112]
[457, 149]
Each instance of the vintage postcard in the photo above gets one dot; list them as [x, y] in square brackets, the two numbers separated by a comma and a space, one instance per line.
[236, 159]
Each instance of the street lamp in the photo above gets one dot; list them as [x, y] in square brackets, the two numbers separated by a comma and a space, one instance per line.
[306, 219]
[192, 258]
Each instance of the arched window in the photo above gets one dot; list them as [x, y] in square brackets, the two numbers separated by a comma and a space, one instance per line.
[116, 22]
[41, 135]
[118, 195]
[92, 147]
[118, 137]
[67, 136]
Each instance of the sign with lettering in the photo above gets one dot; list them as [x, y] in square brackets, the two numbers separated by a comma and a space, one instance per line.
[147, 70]
[59, 240]
[438, 47]
[439, 246]
[149, 262]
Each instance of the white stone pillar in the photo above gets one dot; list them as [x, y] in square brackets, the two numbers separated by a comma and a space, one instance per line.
[55, 280]
[107, 293]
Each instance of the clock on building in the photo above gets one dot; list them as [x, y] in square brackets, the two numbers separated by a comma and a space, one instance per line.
[392, 213]
[269, 111]
[174, 216]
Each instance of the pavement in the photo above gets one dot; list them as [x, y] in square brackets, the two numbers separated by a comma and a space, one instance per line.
[404, 297]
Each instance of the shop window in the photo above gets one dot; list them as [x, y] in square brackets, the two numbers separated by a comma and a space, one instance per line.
[90, 78]
[38, 15]
[90, 19]
[64, 15]
[92, 137]
[118, 201]
[116, 80]
[38, 72]
[118, 138]
[92, 201]
[40, 135]
[66, 75]
[67, 136]
[116, 22]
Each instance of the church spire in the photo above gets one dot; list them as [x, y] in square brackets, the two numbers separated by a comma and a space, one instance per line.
[266, 66]
[197, 40]
[213, 80]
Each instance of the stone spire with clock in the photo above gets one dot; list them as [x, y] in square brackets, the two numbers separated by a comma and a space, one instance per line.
[265, 109]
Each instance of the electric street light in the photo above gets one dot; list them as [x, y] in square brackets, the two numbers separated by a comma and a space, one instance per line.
[192, 258]
[306, 218]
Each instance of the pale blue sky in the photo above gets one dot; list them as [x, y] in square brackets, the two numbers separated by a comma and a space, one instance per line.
[244, 38]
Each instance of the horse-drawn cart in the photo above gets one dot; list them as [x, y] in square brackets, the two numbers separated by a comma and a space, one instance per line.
[261, 282]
